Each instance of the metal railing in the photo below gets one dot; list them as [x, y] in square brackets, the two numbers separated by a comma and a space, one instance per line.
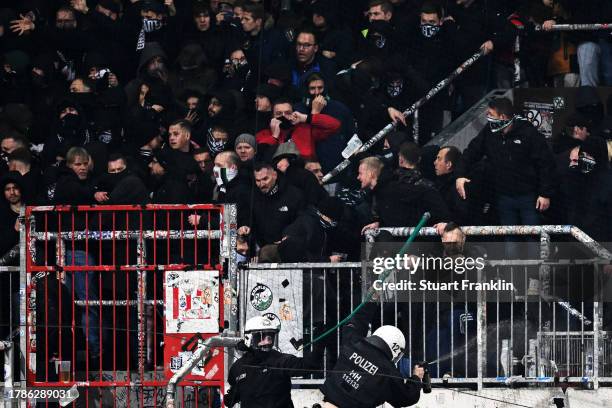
[493, 342]
[145, 243]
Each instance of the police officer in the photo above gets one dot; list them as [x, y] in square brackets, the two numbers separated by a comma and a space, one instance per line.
[261, 378]
[366, 375]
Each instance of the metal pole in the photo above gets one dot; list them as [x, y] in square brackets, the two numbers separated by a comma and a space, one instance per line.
[382, 133]
[7, 347]
[226, 339]
[23, 282]
[577, 27]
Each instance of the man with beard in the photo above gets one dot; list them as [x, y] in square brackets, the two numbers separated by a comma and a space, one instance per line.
[12, 203]
[276, 204]
[222, 113]
[120, 185]
[152, 70]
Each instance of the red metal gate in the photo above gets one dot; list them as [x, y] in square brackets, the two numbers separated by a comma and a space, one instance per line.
[117, 298]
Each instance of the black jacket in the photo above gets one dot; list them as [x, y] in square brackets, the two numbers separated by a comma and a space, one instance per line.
[307, 182]
[263, 379]
[403, 196]
[458, 208]
[522, 162]
[9, 237]
[273, 212]
[172, 189]
[238, 191]
[370, 379]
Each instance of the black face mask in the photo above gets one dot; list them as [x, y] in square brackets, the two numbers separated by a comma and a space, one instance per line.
[39, 81]
[395, 88]
[113, 179]
[70, 121]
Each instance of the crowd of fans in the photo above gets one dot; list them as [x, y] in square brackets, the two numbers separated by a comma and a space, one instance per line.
[110, 102]
[251, 102]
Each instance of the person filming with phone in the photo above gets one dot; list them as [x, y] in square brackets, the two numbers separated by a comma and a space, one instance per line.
[306, 130]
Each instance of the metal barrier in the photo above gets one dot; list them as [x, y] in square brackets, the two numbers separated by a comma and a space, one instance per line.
[115, 299]
[480, 343]
[9, 326]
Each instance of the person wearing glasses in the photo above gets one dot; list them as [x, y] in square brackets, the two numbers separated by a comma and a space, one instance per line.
[308, 60]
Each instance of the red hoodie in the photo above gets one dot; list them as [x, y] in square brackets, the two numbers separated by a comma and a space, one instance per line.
[317, 127]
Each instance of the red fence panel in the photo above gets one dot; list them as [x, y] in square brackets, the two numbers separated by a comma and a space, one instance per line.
[117, 298]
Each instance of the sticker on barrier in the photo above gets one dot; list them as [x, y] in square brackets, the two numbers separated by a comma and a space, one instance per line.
[192, 301]
[280, 299]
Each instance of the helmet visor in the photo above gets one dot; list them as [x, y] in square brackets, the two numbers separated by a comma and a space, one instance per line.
[264, 340]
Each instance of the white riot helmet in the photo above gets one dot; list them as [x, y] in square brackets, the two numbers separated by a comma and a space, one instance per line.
[261, 333]
[394, 339]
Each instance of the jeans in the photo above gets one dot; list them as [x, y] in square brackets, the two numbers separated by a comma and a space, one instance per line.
[85, 289]
[589, 54]
[518, 210]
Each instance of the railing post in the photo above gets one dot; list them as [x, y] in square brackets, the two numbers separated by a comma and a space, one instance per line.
[23, 282]
[9, 369]
[228, 251]
[597, 323]
[481, 333]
